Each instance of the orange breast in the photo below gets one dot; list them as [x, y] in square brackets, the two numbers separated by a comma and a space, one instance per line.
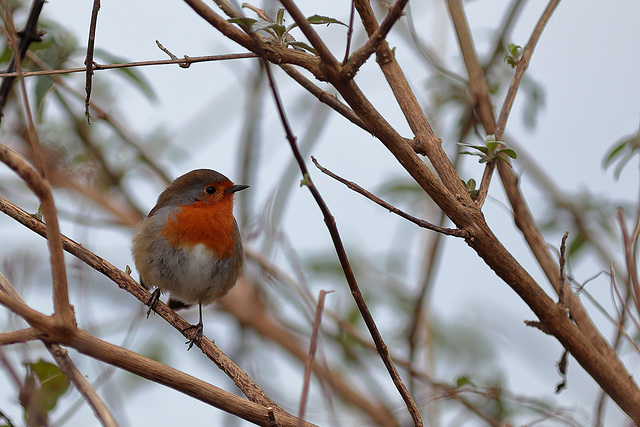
[201, 223]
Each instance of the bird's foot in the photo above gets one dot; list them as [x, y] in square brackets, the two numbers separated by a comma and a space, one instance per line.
[197, 334]
[153, 301]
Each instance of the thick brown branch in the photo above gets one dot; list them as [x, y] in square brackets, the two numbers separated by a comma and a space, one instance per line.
[425, 138]
[21, 336]
[328, 60]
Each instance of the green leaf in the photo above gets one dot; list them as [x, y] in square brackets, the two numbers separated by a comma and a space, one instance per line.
[319, 19]
[278, 29]
[463, 380]
[622, 152]
[509, 152]
[42, 88]
[302, 45]
[280, 16]
[243, 21]
[576, 244]
[133, 75]
[43, 386]
[514, 52]
[53, 382]
[305, 180]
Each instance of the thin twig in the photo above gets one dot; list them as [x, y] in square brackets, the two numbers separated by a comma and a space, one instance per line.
[419, 222]
[632, 269]
[102, 114]
[312, 353]
[505, 28]
[28, 35]
[624, 302]
[88, 62]
[344, 261]
[563, 260]
[347, 49]
[98, 67]
[172, 56]
[523, 63]
[428, 55]
[483, 189]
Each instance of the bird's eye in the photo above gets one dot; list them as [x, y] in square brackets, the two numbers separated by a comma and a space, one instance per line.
[210, 190]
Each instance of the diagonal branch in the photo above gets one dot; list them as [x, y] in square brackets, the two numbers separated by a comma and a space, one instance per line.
[316, 41]
[344, 260]
[419, 222]
[425, 137]
[312, 354]
[85, 343]
[360, 56]
[85, 388]
[477, 81]
[523, 63]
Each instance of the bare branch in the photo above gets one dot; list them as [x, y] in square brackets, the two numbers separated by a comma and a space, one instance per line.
[632, 268]
[360, 56]
[477, 82]
[523, 63]
[21, 336]
[88, 62]
[347, 49]
[98, 67]
[419, 222]
[312, 354]
[344, 261]
[28, 35]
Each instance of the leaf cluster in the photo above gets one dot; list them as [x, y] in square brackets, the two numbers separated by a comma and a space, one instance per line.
[279, 33]
[513, 55]
[491, 151]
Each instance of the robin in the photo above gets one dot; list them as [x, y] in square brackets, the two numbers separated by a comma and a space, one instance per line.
[189, 244]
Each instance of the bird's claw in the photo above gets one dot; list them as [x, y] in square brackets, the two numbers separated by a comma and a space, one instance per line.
[153, 301]
[197, 334]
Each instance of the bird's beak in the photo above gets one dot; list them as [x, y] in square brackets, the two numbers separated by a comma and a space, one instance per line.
[235, 188]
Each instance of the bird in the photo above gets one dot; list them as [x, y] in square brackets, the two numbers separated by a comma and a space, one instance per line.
[189, 245]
